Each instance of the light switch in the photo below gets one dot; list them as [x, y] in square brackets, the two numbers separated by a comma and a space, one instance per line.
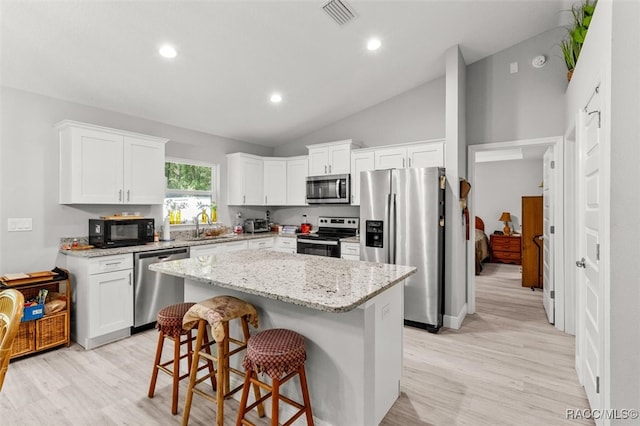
[513, 67]
[19, 224]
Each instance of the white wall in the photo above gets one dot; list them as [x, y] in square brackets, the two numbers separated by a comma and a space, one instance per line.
[526, 105]
[500, 186]
[411, 116]
[29, 172]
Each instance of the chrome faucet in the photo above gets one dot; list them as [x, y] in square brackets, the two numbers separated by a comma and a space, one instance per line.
[196, 220]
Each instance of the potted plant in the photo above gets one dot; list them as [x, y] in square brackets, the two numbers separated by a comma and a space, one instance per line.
[577, 33]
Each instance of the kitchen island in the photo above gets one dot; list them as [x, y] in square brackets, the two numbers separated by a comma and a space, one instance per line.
[350, 312]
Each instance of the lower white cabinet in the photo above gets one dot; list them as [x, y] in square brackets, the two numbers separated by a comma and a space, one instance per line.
[261, 244]
[102, 299]
[350, 251]
[209, 249]
[286, 245]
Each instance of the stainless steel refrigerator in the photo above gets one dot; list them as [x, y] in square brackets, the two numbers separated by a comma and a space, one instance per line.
[402, 222]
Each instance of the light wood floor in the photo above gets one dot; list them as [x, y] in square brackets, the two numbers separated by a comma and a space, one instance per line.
[506, 365]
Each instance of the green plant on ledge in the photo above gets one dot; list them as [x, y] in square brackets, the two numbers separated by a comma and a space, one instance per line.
[577, 33]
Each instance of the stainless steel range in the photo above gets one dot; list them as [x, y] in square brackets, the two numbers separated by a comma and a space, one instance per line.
[326, 242]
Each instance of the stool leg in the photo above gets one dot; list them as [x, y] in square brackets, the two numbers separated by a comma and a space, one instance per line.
[207, 349]
[221, 373]
[256, 388]
[242, 408]
[176, 374]
[275, 401]
[225, 358]
[189, 336]
[305, 395]
[193, 373]
[154, 373]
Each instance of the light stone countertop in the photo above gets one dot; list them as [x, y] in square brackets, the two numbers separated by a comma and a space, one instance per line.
[163, 245]
[322, 283]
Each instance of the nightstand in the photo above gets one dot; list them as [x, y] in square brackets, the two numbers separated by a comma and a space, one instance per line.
[506, 249]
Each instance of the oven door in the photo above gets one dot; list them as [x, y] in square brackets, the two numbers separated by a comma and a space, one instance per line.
[319, 247]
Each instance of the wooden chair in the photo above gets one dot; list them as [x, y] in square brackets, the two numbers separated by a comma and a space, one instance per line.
[11, 310]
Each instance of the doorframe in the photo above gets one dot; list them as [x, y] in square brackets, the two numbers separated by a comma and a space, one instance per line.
[560, 289]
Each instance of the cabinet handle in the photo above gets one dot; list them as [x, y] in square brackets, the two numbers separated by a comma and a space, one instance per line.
[409, 161]
[112, 263]
[329, 168]
[128, 195]
[325, 169]
[244, 197]
[265, 199]
[120, 195]
[403, 163]
[129, 279]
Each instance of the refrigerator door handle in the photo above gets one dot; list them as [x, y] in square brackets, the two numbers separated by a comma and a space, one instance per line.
[392, 228]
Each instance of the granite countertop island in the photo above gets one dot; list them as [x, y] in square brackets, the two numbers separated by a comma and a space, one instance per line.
[351, 314]
[323, 283]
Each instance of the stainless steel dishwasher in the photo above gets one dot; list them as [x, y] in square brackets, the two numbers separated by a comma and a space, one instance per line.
[153, 291]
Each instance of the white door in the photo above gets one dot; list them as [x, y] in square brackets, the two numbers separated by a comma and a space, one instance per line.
[110, 302]
[339, 159]
[590, 277]
[275, 182]
[253, 186]
[143, 179]
[99, 167]
[297, 172]
[360, 162]
[318, 161]
[548, 253]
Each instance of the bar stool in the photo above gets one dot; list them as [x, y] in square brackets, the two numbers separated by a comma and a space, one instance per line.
[169, 325]
[280, 354]
[217, 312]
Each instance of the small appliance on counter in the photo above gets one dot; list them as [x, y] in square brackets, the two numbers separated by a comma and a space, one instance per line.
[256, 225]
[109, 233]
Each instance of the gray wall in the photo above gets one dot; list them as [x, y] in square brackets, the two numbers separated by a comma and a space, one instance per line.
[29, 173]
[501, 186]
[525, 105]
[412, 116]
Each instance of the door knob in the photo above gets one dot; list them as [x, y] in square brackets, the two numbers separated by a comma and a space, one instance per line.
[581, 263]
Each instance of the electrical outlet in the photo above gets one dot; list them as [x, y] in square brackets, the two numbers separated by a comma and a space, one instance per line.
[19, 224]
[513, 67]
[386, 310]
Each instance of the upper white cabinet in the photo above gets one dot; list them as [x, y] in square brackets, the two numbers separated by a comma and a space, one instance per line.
[100, 165]
[245, 174]
[331, 158]
[361, 161]
[275, 181]
[297, 172]
[266, 181]
[422, 154]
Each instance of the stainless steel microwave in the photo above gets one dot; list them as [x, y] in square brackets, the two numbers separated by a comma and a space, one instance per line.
[107, 233]
[332, 189]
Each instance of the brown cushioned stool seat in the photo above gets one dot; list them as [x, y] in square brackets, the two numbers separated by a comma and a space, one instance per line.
[280, 354]
[217, 312]
[169, 325]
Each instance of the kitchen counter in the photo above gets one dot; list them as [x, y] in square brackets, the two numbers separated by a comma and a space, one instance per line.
[98, 252]
[323, 283]
[350, 312]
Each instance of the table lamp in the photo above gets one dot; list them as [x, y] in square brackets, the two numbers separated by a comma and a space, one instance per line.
[506, 218]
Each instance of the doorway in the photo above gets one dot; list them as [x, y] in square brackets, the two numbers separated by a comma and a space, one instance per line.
[504, 150]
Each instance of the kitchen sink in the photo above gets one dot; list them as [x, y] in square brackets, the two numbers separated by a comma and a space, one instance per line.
[212, 237]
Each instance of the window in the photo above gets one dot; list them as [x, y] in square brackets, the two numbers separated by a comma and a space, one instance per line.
[191, 187]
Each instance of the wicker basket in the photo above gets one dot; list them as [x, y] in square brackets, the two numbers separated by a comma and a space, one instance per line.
[52, 331]
[25, 340]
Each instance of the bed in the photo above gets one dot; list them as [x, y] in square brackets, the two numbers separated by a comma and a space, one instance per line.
[482, 244]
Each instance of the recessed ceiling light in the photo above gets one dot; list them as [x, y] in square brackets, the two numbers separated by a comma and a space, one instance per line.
[276, 98]
[168, 51]
[374, 44]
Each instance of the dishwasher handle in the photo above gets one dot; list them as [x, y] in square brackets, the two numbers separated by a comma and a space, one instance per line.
[162, 254]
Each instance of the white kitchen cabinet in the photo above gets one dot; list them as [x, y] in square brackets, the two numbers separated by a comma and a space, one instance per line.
[100, 165]
[210, 249]
[331, 158]
[361, 161]
[297, 172]
[102, 299]
[275, 181]
[245, 177]
[261, 244]
[350, 251]
[286, 245]
[422, 154]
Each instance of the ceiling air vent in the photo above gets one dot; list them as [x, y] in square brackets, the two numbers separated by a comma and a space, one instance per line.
[339, 11]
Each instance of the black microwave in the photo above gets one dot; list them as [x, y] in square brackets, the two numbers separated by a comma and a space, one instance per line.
[333, 189]
[108, 233]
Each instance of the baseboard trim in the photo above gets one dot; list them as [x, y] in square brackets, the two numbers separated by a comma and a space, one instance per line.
[455, 322]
